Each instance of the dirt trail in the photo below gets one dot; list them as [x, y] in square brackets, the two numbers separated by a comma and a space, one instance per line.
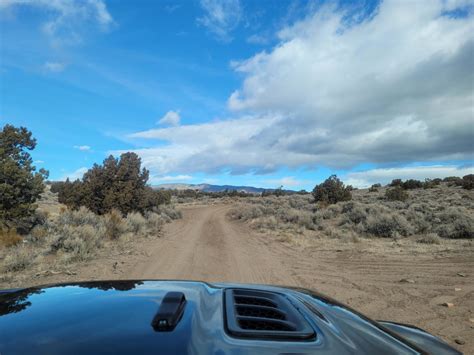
[205, 245]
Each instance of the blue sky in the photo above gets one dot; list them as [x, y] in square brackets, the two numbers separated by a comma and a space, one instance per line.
[262, 93]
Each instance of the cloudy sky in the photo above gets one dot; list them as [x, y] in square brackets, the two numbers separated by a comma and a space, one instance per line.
[262, 93]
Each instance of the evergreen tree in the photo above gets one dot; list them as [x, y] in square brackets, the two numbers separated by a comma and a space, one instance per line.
[20, 184]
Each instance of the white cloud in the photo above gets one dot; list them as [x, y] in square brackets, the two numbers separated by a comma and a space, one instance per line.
[288, 181]
[221, 17]
[54, 67]
[258, 39]
[169, 178]
[83, 148]
[171, 118]
[66, 19]
[386, 175]
[393, 88]
[74, 175]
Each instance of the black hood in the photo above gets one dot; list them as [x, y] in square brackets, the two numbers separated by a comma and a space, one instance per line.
[115, 317]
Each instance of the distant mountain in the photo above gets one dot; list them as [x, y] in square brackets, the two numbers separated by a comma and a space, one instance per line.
[211, 188]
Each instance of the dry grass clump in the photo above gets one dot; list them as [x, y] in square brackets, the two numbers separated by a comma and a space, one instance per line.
[9, 238]
[18, 259]
[431, 214]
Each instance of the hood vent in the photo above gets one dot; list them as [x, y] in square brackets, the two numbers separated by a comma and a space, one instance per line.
[264, 315]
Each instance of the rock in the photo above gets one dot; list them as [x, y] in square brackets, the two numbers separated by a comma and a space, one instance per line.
[447, 304]
[457, 289]
[459, 341]
[471, 320]
[407, 281]
[461, 274]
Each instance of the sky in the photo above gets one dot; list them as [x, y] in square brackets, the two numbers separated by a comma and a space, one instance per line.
[261, 93]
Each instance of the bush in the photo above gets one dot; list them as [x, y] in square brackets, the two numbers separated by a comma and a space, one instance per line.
[431, 183]
[412, 184]
[374, 188]
[431, 238]
[396, 194]
[114, 224]
[136, 223]
[387, 225]
[18, 259]
[468, 182]
[331, 191]
[396, 182]
[9, 238]
[453, 181]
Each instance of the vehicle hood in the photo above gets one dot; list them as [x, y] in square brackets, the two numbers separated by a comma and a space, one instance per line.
[114, 317]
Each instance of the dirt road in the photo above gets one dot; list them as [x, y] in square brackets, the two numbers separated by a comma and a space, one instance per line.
[205, 245]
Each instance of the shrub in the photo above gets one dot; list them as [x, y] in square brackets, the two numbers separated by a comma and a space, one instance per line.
[431, 238]
[154, 221]
[468, 182]
[374, 188]
[114, 224]
[431, 183]
[453, 180]
[136, 223]
[396, 182]
[18, 259]
[9, 237]
[396, 193]
[412, 184]
[387, 225]
[331, 191]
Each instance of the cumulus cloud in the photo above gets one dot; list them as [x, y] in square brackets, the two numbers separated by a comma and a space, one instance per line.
[54, 67]
[396, 86]
[386, 175]
[66, 19]
[83, 148]
[221, 17]
[341, 89]
[171, 118]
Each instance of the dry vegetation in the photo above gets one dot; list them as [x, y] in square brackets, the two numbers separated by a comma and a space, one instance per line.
[70, 236]
[427, 215]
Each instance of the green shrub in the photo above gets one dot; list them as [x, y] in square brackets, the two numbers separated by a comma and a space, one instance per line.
[331, 191]
[396, 193]
[396, 182]
[468, 182]
[412, 184]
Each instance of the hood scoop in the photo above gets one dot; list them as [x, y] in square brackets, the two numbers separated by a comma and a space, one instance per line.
[264, 315]
[170, 312]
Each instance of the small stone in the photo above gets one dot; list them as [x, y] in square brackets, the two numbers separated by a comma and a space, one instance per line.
[407, 281]
[447, 304]
[461, 274]
[459, 341]
[471, 320]
[457, 289]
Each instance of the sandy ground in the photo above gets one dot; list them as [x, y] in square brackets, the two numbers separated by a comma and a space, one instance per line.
[205, 245]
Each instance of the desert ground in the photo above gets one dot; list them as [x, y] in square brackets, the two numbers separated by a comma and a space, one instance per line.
[398, 280]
